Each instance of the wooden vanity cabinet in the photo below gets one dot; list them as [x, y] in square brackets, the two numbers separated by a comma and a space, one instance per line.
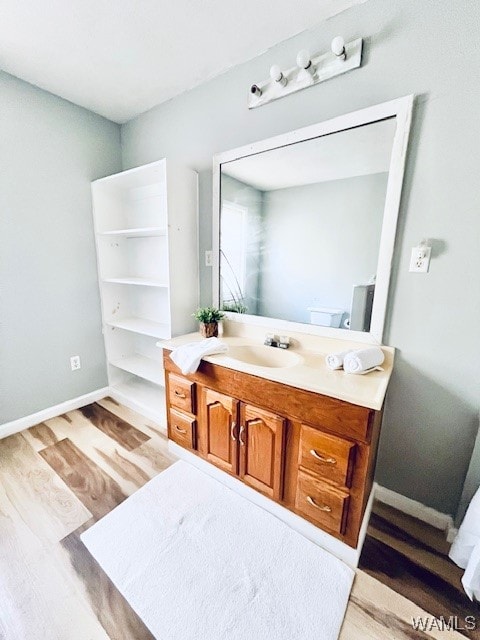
[313, 454]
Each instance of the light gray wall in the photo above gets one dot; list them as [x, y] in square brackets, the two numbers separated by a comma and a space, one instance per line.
[50, 150]
[320, 240]
[429, 48]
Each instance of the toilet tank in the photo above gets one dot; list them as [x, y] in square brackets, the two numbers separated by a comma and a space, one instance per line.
[325, 316]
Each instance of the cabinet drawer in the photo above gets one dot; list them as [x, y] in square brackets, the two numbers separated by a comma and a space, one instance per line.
[180, 393]
[326, 456]
[182, 429]
[321, 504]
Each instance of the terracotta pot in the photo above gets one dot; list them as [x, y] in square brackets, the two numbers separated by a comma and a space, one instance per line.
[209, 329]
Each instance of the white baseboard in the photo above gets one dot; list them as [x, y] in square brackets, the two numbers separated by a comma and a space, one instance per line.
[416, 509]
[139, 407]
[15, 426]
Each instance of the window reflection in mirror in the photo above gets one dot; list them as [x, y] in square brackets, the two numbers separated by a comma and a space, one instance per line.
[300, 228]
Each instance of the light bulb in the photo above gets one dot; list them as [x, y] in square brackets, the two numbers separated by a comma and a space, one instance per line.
[276, 73]
[303, 59]
[338, 47]
[305, 62]
[277, 76]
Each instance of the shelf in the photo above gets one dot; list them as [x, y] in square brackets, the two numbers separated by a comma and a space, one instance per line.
[145, 327]
[144, 397]
[142, 232]
[141, 366]
[145, 282]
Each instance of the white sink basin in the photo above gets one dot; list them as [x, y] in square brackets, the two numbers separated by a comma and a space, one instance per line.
[262, 356]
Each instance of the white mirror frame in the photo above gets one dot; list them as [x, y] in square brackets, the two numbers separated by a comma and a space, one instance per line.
[401, 109]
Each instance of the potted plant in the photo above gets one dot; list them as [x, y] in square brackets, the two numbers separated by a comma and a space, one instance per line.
[208, 317]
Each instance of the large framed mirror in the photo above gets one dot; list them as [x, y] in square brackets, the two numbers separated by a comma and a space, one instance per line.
[304, 224]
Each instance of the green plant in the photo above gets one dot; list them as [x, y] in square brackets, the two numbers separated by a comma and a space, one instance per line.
[208, 315]
[235, 307]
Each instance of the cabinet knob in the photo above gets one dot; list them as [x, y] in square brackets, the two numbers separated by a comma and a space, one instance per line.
[320, 507]
[319, 456]
[177, 428]
[179, 394]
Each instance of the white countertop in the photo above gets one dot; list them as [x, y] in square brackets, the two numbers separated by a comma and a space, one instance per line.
[310, 372]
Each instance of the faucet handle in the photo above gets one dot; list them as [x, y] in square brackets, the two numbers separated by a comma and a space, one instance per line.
[284, 342]
[270, 340]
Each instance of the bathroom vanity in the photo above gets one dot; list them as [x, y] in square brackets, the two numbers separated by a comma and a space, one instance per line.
[301, 435]
[303, 240]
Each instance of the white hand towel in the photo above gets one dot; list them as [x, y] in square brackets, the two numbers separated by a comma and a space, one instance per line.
[363, 360]
[335, 360]
[188, 356]
[465, 550]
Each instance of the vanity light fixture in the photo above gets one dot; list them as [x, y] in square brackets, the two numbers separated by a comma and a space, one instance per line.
[308, 71]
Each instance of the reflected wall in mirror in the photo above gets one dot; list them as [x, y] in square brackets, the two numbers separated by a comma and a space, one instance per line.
[305, 227]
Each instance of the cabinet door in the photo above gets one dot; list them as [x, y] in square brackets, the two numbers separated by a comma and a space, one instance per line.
[261, 439]
[219, 443]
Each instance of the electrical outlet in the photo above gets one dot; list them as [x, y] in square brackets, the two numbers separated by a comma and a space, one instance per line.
[75, 363]
[209, 258]
[420, 259]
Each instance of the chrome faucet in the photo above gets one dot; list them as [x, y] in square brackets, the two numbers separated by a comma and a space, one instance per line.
[271, 340]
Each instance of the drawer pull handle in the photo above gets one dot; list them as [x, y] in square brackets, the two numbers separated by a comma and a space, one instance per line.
[320, 507]
[242, 430]
[179, 394]
[318, 456]
[232, 431]
[180, 430]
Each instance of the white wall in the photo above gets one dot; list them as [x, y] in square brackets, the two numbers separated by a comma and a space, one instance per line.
[50, 150]
[429, 48]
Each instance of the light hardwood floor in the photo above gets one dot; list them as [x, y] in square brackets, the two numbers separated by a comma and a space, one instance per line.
[56, 480]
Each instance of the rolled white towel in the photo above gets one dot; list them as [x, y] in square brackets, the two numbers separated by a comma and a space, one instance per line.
[188, 356]
[363, 360]
[465, 550]
[335, 360]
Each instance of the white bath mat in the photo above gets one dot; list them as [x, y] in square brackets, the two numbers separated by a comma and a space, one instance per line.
[198, 562]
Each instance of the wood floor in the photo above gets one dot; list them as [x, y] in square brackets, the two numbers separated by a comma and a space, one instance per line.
[412, 558]
[59, 477]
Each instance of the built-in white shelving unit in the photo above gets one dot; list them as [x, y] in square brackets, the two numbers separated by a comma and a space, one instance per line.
[146, 237]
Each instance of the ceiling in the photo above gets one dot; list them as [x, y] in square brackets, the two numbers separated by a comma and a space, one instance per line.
[119, 58]
[361, 151]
